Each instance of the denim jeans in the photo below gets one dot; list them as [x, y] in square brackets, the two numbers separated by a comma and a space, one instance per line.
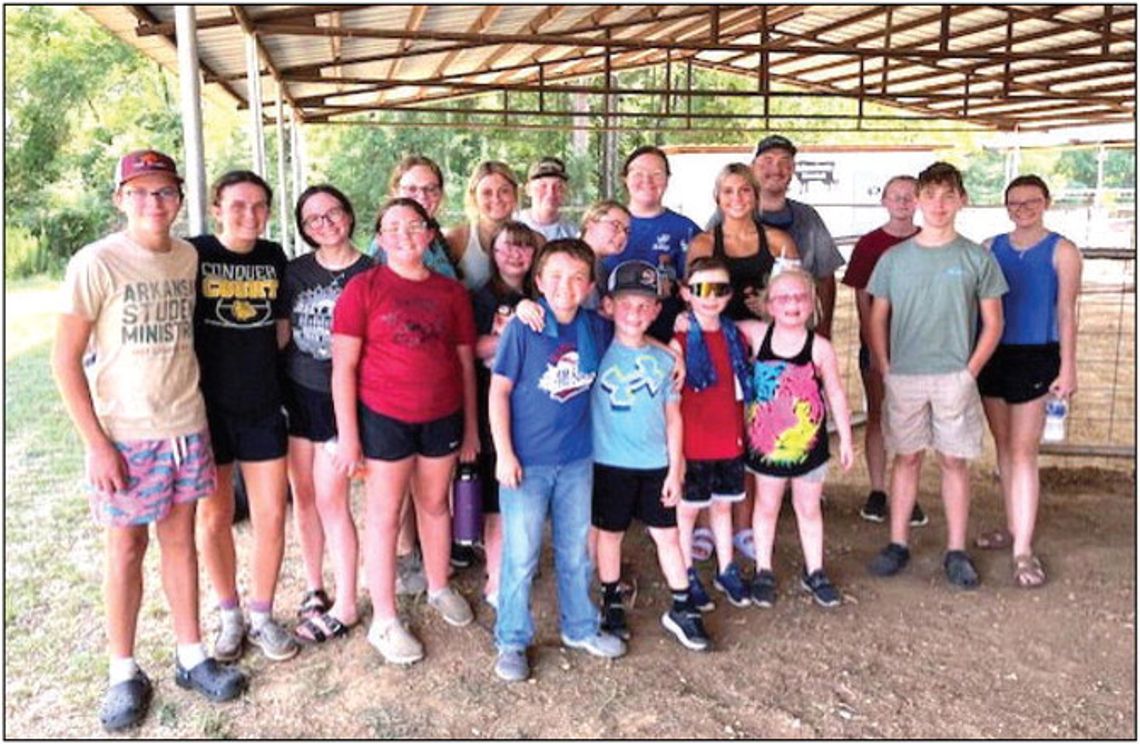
[563, 492]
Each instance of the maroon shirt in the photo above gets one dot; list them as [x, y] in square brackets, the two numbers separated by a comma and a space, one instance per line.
[409, 367]
[867, 253]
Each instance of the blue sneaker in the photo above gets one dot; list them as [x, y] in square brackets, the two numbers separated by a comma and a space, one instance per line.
[700, 598]
[733, 586]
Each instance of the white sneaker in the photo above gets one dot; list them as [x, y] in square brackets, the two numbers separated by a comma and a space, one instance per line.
[230, 641]
[602, 644]
[452, 607]
[395, 643]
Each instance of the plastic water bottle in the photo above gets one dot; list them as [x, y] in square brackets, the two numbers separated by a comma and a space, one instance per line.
[467, 508]
[1056, 409]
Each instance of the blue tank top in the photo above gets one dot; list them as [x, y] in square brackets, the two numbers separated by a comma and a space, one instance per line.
[1030, 306]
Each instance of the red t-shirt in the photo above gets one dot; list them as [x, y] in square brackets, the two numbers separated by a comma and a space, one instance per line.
[867, 253]
[714, 417]
[409, 369]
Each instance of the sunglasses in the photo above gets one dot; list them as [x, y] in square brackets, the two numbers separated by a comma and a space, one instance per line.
[704, 290]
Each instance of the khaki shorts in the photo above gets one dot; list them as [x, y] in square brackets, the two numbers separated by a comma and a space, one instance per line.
[939, 411]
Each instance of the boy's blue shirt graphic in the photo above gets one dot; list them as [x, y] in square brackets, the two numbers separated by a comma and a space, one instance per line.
[628, 407]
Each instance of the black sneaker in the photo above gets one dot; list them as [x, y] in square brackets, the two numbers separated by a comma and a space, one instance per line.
[613, 620]
[701, 599]
[733, 586]
[960, 569]
[686, 627]
[822, 590]
[217, 682]
[763, 588]
[126, 703]
[462, 556]
[875, 510]
[890, 560]
[918, 517]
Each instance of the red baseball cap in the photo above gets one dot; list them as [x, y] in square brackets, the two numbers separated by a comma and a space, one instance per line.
[143, 163]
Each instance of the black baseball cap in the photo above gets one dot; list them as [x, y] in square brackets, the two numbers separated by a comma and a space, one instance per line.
[633, 276]
[772, 142]
[548, 167]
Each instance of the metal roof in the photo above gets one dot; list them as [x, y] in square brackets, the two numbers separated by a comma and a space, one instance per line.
[995, 66]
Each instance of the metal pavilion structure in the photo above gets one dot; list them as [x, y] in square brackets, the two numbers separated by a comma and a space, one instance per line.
[996, 67]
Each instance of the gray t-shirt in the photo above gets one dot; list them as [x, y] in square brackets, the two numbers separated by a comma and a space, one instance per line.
[818, 253]
[934, 293]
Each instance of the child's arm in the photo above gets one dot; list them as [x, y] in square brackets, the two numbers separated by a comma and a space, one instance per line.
[993, 322]
[879, 328]
[754, 331]
[823, 355]
[346, 359]
[508, 470]
[675, 478]
[1067, 260]
[104, 467]
[470, 447]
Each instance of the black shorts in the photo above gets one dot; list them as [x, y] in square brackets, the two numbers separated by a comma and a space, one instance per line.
[311, 414]
[386, 438]
[247, 438]
[713, 480]
[620, 494]
[864, 357]
[1019, 373]
[487, 462]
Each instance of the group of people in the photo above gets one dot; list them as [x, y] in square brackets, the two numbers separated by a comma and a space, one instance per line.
[630, 366]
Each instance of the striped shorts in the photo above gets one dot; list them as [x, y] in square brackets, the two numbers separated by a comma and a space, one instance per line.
[160, 474]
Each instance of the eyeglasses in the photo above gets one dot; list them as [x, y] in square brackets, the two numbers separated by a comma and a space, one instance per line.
[785, 299]
[165, 194]
[705, 290]
[330, 217]
[507, 248]
[410, 228]
[1027, 204]
[615, 225]
[431, 190]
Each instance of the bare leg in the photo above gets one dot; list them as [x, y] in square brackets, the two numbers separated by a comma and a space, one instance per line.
[406, 540]
[265, 485]
[873, 445]
[335, 509]
[493, 544]
[769, 497]
[742, 510]
[686, 522]
[385, 484]
[904, 492]
[955, 499]
[1026, 423]
[180, 570]
[809, 520]
[216, 535]
[998, 415]
[306, 517]
[720, 518]
[430, 492]
[669, 557]
[609, 555]
[123, 587]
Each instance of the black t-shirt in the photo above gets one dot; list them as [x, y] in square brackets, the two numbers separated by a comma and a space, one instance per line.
[238, 304]
[310, 294]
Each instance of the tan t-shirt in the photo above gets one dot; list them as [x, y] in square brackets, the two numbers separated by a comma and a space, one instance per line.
[143, 374]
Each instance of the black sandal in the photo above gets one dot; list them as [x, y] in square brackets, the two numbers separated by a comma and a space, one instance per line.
[313, 604]
[313, 631]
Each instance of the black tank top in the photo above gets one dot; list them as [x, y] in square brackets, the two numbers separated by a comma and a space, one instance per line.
[748, 274]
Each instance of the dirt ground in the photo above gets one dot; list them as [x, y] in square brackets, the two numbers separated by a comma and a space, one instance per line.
[906, 657]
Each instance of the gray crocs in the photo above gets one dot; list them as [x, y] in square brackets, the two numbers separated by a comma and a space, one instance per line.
[960, 569]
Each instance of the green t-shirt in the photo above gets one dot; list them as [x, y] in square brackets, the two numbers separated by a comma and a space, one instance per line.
[934, 293]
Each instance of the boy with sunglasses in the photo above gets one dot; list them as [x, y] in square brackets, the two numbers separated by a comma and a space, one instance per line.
[712, 411]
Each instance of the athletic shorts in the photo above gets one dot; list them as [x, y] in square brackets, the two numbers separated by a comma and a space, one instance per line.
[385, 438]
[247, 438]
[486, 465]
[620, 494]
[1019, 373]
[311, 414]
[707, 481]
[160, 474]
[940, 411]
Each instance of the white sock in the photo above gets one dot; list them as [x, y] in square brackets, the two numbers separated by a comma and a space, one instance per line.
[121, 670]
[232, 617]
[190, 655]
[257, 619]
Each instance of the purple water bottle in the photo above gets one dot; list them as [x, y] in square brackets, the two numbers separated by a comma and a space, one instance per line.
[467, 511]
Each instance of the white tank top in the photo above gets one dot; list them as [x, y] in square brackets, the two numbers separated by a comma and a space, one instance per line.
[476, 265]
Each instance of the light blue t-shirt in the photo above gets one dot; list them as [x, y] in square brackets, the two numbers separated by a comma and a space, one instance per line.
[652, 238]
[628, 407]
[550, 401]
